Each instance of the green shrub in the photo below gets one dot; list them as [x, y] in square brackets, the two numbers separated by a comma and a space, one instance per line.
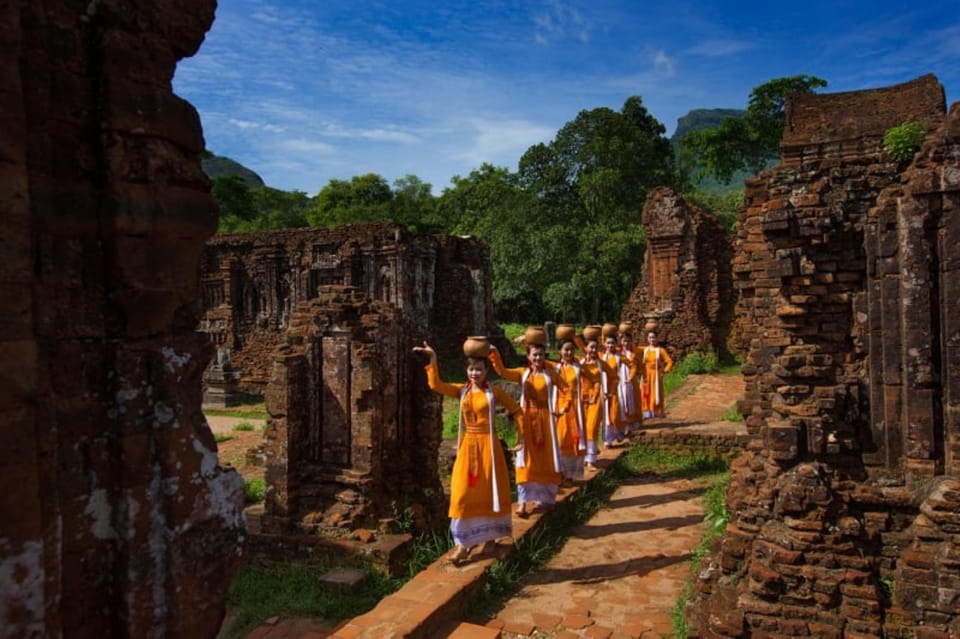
[902, 142]
[245, 426]
[255, 490]
[222, 437]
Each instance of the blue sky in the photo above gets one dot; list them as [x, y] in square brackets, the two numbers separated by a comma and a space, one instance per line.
[305, 91]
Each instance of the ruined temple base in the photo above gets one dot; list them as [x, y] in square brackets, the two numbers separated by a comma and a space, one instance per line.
[387, 553]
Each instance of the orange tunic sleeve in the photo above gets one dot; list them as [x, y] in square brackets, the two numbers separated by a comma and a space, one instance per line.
[440, 386]
[512, 374]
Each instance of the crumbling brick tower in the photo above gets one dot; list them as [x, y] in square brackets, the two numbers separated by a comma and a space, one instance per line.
[115, 519]
[686, 290]
[845, 514]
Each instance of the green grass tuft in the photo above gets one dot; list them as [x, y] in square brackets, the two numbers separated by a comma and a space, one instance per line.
[245, 427]
[222, 437]
[255, 490]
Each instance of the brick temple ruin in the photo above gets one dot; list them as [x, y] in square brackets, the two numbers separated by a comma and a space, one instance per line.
[321, 323]
[686, 288]
[845, 514]
[116, 519]
[845, 511]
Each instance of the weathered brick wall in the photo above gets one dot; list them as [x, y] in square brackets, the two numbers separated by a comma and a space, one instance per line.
[686, 286]
[115, 518]
[727, 447]
[354, 431]
[253, 281]
[844, 510]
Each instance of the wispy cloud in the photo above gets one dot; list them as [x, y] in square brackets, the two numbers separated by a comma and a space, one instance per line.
[720, 47]
[502, 142]
[560, 21]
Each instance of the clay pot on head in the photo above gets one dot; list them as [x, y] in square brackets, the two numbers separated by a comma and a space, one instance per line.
[609, 330]
[625, 327]
[565, 332]
[651, 326]
[592, 333]
[535, 335]
[476, 346]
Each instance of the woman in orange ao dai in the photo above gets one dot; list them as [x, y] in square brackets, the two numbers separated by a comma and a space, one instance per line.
[479, 484]
[656, 363]
[538, 455]
[595, 377]
[569, 413]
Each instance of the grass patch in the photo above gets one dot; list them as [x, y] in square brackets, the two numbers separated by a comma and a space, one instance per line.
[732, 415]
[692, 364]
[255, 490]
[294, 589]
[223, 437]
[245, 427]
[256, 411]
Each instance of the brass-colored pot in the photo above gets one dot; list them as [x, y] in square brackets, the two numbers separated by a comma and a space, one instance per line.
[625, 327]
[609, 330]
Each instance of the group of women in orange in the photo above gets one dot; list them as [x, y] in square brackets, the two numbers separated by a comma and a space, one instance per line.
[566, 407]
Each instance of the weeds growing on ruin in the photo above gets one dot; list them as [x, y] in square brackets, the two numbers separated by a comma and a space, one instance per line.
[222, 437]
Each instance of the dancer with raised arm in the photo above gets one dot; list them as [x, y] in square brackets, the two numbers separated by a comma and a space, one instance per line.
[479, 484]
[538, 453]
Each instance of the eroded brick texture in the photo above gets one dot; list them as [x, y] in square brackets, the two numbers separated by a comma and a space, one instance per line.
[846, 509]
[115, 519]
[253, 281]
[353, 434]
[686, 291]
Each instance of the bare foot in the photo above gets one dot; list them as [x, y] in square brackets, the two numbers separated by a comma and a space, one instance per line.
[459, 555]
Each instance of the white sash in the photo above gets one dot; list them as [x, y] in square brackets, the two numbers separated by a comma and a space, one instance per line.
[493, 439]
[628, 402]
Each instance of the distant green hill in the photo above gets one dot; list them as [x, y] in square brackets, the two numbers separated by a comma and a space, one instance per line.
[219, 166]
[699, 119]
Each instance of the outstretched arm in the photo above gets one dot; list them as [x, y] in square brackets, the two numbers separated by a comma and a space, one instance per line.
[514, 375]
[433, 373]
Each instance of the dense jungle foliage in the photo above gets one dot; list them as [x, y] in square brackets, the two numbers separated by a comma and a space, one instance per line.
[564, 229]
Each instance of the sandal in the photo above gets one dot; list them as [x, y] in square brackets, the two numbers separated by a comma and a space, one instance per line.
[521, 512]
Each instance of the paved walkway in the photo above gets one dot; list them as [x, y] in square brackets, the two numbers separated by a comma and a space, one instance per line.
[619, 574]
